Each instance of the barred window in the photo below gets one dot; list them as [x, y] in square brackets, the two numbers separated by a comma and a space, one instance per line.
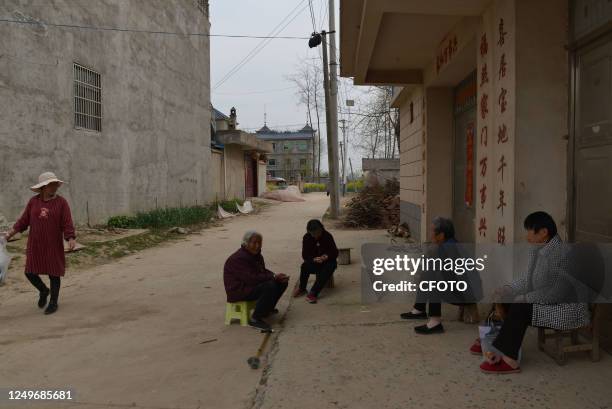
[87, 99]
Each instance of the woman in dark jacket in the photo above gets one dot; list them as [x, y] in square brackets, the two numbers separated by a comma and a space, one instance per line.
[246, 278]
[319, 252]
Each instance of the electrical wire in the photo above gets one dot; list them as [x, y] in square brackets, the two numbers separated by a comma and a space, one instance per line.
[130, 30]
[312, 17]
[255, 92]
[275, 31]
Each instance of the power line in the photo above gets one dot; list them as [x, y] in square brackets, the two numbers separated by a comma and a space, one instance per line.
[312, 17]
[275, 31]
[131, 30]
[255, 92]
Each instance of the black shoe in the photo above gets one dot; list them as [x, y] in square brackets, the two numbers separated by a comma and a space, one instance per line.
[273, 312]
[412, 316]
[259, 324]
[42, 298]
[51, 308]
[423, 329]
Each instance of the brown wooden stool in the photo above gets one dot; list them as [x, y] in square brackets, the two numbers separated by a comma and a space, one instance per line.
[558, 351]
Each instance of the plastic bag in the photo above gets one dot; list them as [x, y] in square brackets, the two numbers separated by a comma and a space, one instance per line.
[488, 332]
[5, 260]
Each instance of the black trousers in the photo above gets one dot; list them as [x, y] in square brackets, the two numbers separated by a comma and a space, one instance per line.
[267, 295]
[435, 308]
[323, 271]
[38, 283]
[510, 337]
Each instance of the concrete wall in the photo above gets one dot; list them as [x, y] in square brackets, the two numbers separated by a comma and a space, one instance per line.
[381, 169]
[235, 172]
[155, 139]
[542, 76]
[261, 178]
[217, 172]
[412, 162]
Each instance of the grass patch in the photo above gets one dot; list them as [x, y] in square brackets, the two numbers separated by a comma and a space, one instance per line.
[100, 252]
[162, 218]
[172, 216]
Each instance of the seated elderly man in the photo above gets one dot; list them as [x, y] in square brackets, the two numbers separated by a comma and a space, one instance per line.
[246, 278]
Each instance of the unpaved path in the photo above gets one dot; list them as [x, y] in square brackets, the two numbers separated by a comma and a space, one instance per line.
[129, 333]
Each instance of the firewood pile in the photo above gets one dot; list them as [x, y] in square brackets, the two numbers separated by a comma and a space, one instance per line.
[375, 206]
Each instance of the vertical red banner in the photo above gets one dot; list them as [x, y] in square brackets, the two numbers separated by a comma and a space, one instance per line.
[469, 166]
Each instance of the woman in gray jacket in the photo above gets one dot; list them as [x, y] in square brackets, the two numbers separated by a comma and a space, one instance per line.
[536, 295]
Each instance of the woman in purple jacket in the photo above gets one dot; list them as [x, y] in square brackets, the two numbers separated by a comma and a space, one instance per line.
[246, 278]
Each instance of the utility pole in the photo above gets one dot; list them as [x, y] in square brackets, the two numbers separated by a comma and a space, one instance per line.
[333, 111]
[332, 142]
[344, 155]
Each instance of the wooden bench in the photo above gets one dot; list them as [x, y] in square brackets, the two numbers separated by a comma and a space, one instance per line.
[558, 350]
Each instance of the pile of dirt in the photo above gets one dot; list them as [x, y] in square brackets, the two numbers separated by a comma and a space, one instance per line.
[375, 206]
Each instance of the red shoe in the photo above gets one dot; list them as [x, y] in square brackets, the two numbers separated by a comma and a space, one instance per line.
[500, 367]
[312, 299]
[476, 348]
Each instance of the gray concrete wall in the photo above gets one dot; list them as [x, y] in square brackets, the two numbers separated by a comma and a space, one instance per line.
[234, 172]
[542, 76]
[261, 178]
[155, 139]
[217, 174]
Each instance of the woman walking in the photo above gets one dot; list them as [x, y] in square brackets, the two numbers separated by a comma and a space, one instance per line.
[48, 216]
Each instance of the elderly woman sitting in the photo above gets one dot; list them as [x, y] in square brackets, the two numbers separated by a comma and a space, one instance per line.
[246, 279]
[535, 296]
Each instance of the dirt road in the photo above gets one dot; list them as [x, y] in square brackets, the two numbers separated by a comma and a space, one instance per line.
[130, 335]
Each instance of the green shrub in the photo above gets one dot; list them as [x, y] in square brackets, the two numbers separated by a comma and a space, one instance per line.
[314, 187]
[230, 205]
[355, 186]
[165, 217]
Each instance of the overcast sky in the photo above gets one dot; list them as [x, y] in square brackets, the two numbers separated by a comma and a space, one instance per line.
[261, 84]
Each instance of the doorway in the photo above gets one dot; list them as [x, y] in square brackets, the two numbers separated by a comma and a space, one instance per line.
[250, 182]
[464, 155]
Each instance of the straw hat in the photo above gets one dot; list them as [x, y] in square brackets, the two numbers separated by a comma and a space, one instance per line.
[45, 179]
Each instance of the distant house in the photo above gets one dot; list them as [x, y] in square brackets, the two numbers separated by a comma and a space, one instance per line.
[292, 152]
[238, 166]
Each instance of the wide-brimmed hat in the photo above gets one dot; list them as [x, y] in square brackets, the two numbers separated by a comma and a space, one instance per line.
[45, 179]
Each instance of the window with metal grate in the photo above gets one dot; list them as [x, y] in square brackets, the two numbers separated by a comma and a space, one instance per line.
[87, 99]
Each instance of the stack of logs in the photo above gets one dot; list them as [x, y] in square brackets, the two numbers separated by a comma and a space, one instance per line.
[391, 214]
[375, 207]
